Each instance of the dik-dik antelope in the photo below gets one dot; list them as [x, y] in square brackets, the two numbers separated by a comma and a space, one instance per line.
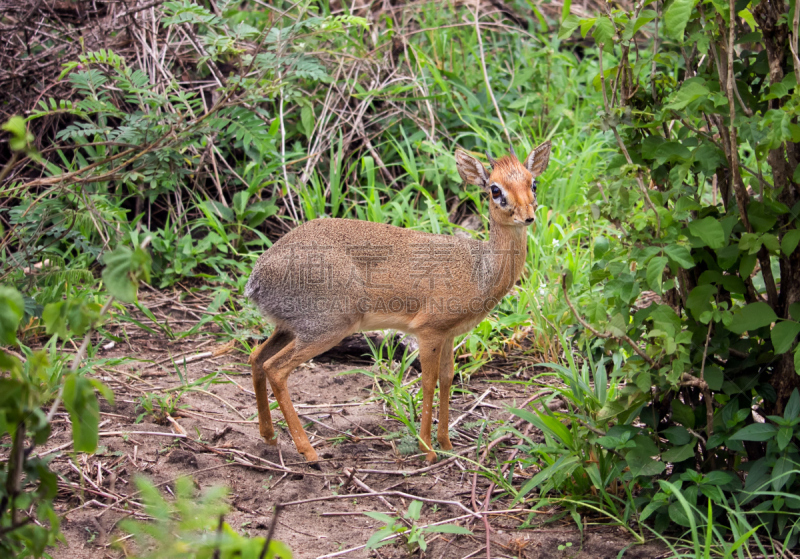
[330, 278]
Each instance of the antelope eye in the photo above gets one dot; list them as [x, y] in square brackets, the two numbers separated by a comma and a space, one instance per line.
[533, 186]
[496, 193]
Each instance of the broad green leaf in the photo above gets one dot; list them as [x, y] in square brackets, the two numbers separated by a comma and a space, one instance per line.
[15, 126]
[586, 25]
[709, 230]
[714, 377]
[752, 317]
[792, 409]
[604, 32]
[758, 432]
[414, 509]
[84, 412]
[784, 437]
[797, 359]
[655, 272]
[682, 413]
[375, 540]
[644, 465]
[699, 300]
[680, 255]
[307, 118]
[790, 241]
[568, 25]
[12, 308]
[678, 453]
[677, 16]
[124, 269]
[601, 246]
[761, 216]
[783, 335]
[691, 90]
[780, 473]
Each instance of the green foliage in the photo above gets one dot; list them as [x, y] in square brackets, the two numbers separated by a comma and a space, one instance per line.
[192, 527]
[26, 482]
[703, 203]
[412, 534]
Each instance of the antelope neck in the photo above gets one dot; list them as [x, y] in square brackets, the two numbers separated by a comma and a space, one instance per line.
[506, 252]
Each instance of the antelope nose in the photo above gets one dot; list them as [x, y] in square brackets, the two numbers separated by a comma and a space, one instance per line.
[529, 220]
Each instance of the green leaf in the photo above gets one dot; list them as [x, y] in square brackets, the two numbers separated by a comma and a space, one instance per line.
[784, 437]
[789, 241]
[682, 413]
[680, 255]
[641, 465]
[15, 126]
[124, 269]
[570, 24]
[709, 230]
[780, 473]
[655, 272]
[699, 300]
[414, 509]
[761, 216]
[55, 319]
[783, 335]
[797, 359]
[307, 118]
[758, 432]
[752, 317]
[691, 90]
[601, 246]
[604, 32]
[792, 409]
[84, 412]
[677, 16]
[678, 453]
[12, 307]
[375, 540]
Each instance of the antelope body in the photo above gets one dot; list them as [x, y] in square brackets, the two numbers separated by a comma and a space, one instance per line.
[330, 278]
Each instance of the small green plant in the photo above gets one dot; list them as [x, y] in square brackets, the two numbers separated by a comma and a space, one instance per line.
[407, 528]
[159, 406]
[192, 527]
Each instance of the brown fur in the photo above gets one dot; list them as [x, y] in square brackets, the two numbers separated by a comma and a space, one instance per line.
[330, 278]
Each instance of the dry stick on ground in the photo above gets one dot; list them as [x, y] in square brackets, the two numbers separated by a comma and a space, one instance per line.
[385, 494]
[387, 538]
[351, 475]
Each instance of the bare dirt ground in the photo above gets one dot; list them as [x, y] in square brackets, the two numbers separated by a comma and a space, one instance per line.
[222, 446]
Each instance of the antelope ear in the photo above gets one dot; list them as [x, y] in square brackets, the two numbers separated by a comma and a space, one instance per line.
[537, 160]
[470, 169]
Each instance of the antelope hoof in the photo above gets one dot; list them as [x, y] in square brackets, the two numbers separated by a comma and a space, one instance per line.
[430, 457]
[311, 455]
[445, 443]
[271, 441]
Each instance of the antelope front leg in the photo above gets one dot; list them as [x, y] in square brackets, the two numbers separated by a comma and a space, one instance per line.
[430, 355]
[445, 382]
